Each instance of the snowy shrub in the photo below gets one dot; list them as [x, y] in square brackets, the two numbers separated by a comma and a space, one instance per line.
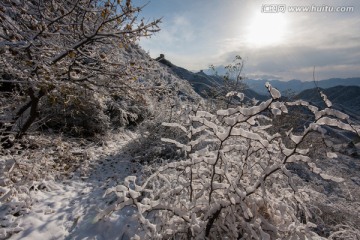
[123, 111]
[84, 113]
[149, 148]
[229, 91]
[233, 182]
[337, 220]
[74, 112]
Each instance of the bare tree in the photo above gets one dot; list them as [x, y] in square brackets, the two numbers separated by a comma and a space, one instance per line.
[58, 46]
[229, 91]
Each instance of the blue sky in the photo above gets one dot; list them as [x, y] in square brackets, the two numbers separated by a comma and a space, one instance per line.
[197, 33]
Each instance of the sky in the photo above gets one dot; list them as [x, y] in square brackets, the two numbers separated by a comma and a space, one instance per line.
[274, 41]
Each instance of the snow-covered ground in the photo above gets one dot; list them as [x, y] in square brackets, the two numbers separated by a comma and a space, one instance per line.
[67, 208]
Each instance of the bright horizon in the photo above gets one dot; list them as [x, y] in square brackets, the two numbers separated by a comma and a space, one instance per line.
[284, 45]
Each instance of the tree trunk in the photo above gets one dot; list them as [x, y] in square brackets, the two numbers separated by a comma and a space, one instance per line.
[33, 104]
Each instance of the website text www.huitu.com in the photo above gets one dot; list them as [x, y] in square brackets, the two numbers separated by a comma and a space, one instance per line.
[282, 8]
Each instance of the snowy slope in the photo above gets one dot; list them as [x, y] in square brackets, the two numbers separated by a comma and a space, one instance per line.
[157, 74]
[66, 209]
[52, 188]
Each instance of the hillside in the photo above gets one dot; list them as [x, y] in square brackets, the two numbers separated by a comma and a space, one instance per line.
[297, 86]
[344, 98]
[203, 83]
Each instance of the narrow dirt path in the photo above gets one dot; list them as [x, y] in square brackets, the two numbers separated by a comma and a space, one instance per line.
[67, 209]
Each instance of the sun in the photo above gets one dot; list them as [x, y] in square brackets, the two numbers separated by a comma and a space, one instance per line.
[266, 29]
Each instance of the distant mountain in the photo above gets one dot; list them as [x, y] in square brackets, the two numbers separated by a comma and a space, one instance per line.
[201, 82]
[297, 86]
[343, 98]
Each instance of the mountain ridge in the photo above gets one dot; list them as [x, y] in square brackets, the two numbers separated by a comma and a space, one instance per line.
[343, 98]
[344, 93]
[202, 82]
[297, 85]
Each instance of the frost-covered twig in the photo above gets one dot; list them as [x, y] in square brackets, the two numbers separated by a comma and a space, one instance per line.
[233, 181]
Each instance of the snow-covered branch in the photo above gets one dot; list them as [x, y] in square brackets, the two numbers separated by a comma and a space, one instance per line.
[230, 186]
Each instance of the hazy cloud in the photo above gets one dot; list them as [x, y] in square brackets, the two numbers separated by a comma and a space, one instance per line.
[198, 33]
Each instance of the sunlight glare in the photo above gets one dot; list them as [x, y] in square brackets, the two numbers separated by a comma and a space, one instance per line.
[266, 29]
